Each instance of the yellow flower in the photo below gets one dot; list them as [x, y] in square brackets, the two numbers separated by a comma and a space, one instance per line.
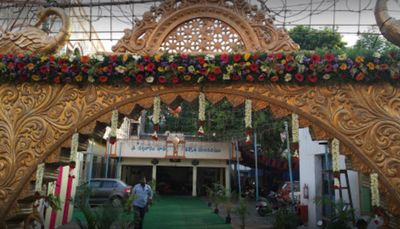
[246, 56]
[181, 68]
[371, 66]
[157, 57]
[326, 77]
[248, 63]
[191, 69]
[125, 57]
[35, 77]
[43, 58]
[359, 59]
[288, 77]
[187, 77]
[120, 69]
[78, 78]
[283, 61]
[30, 66]
[160, 69]
[342, 56]
[205, 65]
[343, 67]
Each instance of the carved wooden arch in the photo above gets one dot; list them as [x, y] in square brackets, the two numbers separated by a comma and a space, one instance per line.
[37, 119]
[254, 27]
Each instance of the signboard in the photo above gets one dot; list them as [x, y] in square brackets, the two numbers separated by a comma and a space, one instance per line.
[160, 149]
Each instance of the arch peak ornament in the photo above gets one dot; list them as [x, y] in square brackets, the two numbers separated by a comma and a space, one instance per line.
[205, 26]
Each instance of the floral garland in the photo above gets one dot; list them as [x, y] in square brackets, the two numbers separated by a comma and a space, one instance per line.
[296, 67]
[202, 113]
[248, 120]
[375, 199]
[335, 163]
[74, 154]
[38, 183]
[156, 117]
[114, 124]
[295, 134]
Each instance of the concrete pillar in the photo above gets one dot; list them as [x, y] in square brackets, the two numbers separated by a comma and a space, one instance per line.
[154, 176]
[221, 175]
[227, 179]
[194, 185]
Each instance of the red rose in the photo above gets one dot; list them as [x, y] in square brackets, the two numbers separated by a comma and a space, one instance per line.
[173, 66]
[147, 58]
[57, 80]
[261, 77]
[150, 67]
[289, 58]
[288, 68]
[113, 58]
[184, 56]
[237, 58]
[64, 68]
[328, 68]
[360, 76]
[10, 56]
[52, 58]
[278, 55]
[254, 67]
[315, 58]
[224, 58]
[211, 77]
[175, 79]
[127, 79]
[299, 77]
[103, 79]
[139, 78]
[250, 78]
[162, 79]
[140, 67]
[20, 66]
[312, 78]
[217, 70]
[44, 69]
[201, 60]
[274, 78]
[329, 57]
[235, 77]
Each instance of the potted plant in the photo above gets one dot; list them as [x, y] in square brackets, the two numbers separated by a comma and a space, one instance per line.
[242, 211]
[342, 214]
[210, 194]
[227, 202]
[217, 197]
[285, 218]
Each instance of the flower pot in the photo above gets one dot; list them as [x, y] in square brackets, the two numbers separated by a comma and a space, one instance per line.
[228, 219]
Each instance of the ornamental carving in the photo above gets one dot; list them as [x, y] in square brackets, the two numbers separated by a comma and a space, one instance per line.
[204, 26]
[37, 119]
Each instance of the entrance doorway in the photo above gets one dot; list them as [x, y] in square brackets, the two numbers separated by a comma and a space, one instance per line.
[174, 180]
[131, 174]
[206, 177]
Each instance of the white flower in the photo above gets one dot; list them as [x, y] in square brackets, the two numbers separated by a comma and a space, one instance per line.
[209, 57]
[375, 199]
[247, 117]
[287, 77]
[295, 127]
[326, 77]
[156, 110]
[335, 155]
[226, 77]
[99, 57]
[149, 79]
[377, 55]
[202, 107]
[342, 56]
[74, 147]
[114, 123]
[170, 58]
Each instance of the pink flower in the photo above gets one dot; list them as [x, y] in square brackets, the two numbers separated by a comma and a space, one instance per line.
[299, 77]
[329, 57]
[312, 78]
[211, 77]
[315, 58]
[224, 58]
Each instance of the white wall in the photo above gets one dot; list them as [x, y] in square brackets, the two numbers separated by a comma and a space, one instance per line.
[310, 155]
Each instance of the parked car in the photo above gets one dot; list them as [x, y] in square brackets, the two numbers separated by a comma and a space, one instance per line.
[106, 189]
[285, 191]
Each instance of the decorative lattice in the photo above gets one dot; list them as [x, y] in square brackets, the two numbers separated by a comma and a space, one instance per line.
[202, 35]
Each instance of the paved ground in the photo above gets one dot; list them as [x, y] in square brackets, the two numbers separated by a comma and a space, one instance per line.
[190, 213]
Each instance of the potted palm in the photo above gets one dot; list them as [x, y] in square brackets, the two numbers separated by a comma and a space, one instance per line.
[217, 197]
[285, 218]
[242, 211]
[228, 204]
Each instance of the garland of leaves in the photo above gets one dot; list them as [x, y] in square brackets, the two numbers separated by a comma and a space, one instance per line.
[296, 67]
[295, 134]
[248, 120]
[202, 113]
[156, 117]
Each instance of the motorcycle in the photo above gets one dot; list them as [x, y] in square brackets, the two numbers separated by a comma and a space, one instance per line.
[263, 207]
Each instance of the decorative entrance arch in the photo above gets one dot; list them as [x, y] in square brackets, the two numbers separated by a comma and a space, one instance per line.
[36, 120]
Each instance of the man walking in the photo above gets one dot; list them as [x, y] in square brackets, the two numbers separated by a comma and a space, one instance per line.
[144, 196]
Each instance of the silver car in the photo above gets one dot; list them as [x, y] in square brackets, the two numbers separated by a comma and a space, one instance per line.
[107, 189]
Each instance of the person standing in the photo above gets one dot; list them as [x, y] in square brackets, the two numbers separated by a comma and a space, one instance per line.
[144, 195]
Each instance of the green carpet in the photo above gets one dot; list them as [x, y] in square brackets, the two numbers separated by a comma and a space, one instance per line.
[176, 212]
[182, 213]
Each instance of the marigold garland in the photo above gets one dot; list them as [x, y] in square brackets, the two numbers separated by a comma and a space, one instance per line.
[297, 67]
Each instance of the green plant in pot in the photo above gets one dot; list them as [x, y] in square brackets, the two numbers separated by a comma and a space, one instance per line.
[342, 214]
[242, 211]
[228, 204]
[285, 218]
[210, 194]
[217, 197]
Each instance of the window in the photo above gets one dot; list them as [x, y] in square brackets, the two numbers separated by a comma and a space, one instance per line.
[95, 184]
[109, 184]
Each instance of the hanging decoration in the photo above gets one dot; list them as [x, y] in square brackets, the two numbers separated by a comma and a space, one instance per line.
[114, 124]
[202, 113]
[295, 134]
[156, 117]
[73, 154]
[335, 163]
[248, 120]
[375, 199]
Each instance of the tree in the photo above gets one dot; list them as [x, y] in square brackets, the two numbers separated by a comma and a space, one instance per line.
[311, 39]
[374, 42]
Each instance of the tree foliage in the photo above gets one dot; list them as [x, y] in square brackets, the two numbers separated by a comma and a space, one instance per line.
[311, 39]
[374, 42]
